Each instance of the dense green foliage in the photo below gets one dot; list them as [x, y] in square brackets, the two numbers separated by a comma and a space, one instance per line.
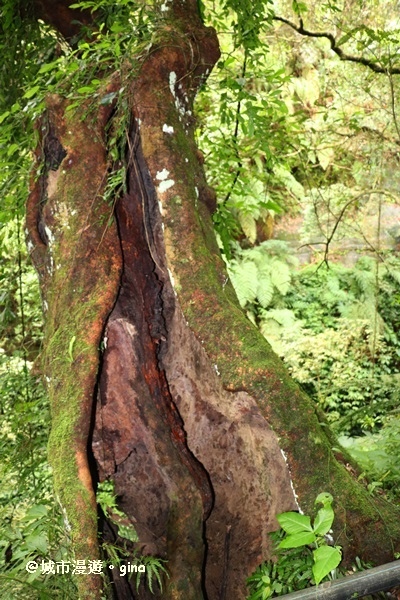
[304, 556]
[31, 523]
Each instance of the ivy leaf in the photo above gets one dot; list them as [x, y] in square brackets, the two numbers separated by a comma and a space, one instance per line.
[326, 559]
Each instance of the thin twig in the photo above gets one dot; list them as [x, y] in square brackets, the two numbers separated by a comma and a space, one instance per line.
[342, 55]
[235, 137]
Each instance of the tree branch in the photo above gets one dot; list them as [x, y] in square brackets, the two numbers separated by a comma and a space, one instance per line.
[342, 55]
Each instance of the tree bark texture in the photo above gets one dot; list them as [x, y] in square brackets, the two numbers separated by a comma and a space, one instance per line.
[185, 407]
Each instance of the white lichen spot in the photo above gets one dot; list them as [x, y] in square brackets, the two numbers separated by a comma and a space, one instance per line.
[216, 370]
[196, 191]
[64, 513]
[51, 267]
[45, 306]
[167, 128]
[162, 175]
[172, 82]
[30, 246]
[172, 86]
[67, 525]
[296, 498]
[105, 340]
[181, 109]
[160, 206]
[49, 235]
[165, 185]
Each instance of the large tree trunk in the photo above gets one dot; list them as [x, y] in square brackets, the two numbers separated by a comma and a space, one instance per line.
[185, 407]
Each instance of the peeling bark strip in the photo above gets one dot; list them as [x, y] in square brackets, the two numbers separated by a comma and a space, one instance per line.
[76, 251]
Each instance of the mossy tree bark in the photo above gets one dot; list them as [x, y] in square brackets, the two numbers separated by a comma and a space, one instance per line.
[156, 378]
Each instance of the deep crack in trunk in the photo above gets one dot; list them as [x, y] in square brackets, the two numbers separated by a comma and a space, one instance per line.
[139, 439]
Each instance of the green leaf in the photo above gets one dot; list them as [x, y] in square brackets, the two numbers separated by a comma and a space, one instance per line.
[31, 92]
[298, 539]
[4, 116]
[293, 522]
[36, 512]
[248, 224]
[324, 498]
[244, 278]
[49, 67]
[37, 542]
[280, 276]
[323, 521]
[265, 289]
[326, 559]
[86, 89]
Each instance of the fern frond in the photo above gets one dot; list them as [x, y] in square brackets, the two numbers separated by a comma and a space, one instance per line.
[275, 247]
[265, 289]
[394, 274]
[244, 277]
[280, 276]
[365, 281]
[283, 316]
